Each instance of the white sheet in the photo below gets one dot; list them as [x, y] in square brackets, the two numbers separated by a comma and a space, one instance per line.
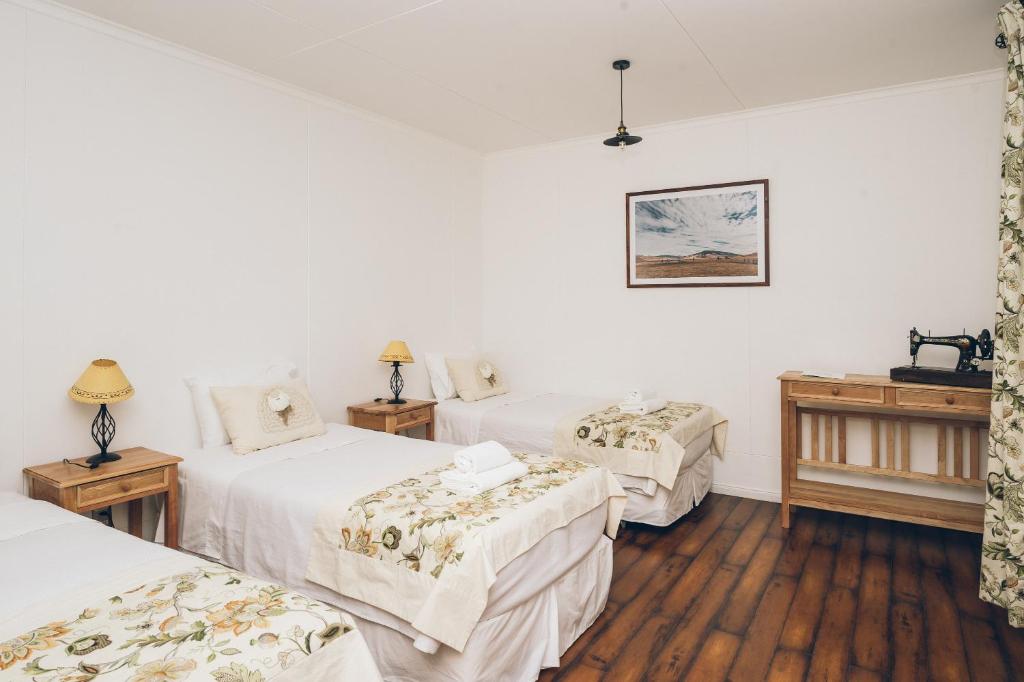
[256, 512]
[38, 559]
[522, 422]
[55, 553]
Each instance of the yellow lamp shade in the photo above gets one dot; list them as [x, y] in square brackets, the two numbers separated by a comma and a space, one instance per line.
[102, 382]
[396, 351]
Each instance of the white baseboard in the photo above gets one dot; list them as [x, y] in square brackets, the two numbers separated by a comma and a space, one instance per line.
[752, 493]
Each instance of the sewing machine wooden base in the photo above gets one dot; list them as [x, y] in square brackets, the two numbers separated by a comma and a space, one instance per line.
[959, 417]
[941, 376]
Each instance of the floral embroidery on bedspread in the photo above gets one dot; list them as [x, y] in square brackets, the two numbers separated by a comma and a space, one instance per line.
[611, 428]
[210, 621]
[421, 525]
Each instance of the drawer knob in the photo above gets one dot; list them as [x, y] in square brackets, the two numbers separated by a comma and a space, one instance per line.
[950, 400]
[125, 486]
[835, 391]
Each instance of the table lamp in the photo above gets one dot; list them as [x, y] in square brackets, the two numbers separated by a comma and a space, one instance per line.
[102, 383]
[396, 353]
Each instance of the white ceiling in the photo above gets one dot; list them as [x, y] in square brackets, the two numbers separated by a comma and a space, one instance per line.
[495, 74]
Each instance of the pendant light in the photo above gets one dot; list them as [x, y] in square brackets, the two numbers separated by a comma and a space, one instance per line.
[622, 138]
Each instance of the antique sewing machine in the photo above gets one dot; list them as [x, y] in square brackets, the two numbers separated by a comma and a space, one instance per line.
[967, 373]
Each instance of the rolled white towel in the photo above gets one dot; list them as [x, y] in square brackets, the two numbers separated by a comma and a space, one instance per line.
[638, 396]
[474, 484]
[643, 407]
[482, 457]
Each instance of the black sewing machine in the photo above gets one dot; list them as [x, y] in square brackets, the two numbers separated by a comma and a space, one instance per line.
[967, 373]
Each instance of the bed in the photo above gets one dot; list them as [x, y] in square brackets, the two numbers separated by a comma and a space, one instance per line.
[275, 514]
[85, 601]
[532, 422]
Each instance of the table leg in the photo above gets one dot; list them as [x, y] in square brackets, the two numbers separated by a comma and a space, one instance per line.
[787, 450]
[135, 518]
[430, 430]
[391, 424]
[171, 509]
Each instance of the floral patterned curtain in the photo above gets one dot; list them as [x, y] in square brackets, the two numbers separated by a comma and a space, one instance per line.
[1002, 561]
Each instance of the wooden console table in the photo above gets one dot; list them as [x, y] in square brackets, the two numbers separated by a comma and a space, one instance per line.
[890, 407]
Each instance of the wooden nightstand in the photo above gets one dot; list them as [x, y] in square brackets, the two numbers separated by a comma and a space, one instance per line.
[139, 473]
[393, 418]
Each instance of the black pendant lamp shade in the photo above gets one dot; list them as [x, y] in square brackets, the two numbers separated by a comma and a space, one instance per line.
[622, 138]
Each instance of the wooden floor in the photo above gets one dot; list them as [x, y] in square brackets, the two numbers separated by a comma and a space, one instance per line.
[727, 594]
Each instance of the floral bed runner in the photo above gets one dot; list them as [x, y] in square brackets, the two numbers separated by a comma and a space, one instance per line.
[202, 622]
[430, 556]
[647, 446]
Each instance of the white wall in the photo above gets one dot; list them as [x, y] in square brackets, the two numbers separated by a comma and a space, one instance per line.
[883, 215]
[178, 214]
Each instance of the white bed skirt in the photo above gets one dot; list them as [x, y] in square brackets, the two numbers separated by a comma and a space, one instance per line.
[514, 646]
[666, 507]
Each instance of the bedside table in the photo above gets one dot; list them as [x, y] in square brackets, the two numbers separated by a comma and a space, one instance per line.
[393, 418]
[139, 473]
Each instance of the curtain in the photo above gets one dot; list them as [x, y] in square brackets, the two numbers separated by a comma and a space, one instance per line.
[1002, 560]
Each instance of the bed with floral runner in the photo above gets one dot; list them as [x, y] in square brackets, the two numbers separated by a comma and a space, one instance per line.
[170, 616]
[430, 556]
[650, 446]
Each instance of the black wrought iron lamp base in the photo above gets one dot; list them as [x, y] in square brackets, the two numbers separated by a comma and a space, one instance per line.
[103, 458]
[397, 384]
[103, 430]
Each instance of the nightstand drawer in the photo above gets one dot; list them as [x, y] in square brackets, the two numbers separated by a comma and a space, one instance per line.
[838, 391]
[951, 400]
[141, 483]
[420, 416]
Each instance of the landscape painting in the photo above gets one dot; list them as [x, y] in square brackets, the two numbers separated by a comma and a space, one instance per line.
[711, 235]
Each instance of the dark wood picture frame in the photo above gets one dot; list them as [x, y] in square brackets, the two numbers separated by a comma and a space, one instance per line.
[629, 228]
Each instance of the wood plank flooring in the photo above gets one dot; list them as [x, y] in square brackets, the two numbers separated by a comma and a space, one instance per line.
[727, 594]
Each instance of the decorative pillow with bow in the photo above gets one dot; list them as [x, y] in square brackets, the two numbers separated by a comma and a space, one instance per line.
[476, 378]
[258, 417]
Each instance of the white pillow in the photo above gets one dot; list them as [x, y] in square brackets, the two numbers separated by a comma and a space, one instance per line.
[211, 429]
[440, 381]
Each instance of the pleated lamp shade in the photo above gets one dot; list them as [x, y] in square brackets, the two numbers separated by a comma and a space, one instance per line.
[102, 382]
[396, 351]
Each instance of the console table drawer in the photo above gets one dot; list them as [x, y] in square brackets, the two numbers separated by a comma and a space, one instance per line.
[951, 400]
[874, 395]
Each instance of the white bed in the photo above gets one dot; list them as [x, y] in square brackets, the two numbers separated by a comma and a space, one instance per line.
[526, 422]
[256, 512]
[66, 575]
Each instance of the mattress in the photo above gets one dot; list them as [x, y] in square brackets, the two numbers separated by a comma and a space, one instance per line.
[69, 566]
[255, 512]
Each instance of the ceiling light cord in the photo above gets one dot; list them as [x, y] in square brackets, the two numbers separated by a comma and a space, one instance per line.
[622, 116]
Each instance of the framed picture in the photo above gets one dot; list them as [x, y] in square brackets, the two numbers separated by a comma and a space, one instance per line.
[706, 236]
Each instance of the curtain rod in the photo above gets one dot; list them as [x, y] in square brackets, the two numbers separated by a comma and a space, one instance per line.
[1001, 38]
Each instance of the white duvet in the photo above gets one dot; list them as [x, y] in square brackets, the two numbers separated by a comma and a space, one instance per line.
[528, 422]
[256, 512]
[56, 563]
